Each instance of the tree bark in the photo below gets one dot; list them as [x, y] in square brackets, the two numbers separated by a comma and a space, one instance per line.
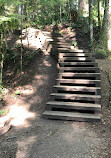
[109, 27]
[81, 7]
[99, 13]
[91, 20]
[107, 24]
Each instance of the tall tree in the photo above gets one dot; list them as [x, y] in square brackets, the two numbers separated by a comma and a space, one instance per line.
[99, 13]
[81, 7]
[107, 23]
[91, 20]
[109, 27]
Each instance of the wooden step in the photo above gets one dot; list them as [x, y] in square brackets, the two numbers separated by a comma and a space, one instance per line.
[76, 59]
[73, 105]
[55, 40]
[61, 55]
[90, 64]
[77, 93]
[77, 97]
[97, 83]
[57, 46]
[79, 69]
[71, 116]
[65, 50]
[73, 50]
[81, 89]
[59, 43]
[68, 75]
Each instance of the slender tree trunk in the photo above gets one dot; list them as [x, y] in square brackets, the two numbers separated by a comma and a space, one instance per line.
[1, 61]
[81, 7]
[21, 22]
[60, 12]
[105, 19]
[91, 20]
[109, 26]
[99, 13]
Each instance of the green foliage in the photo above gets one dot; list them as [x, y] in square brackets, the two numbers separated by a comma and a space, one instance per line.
[12, 57]
[28, 58]
[99, 48]
[83, 23]
[74, 43]
[8, 23]
[3, 112]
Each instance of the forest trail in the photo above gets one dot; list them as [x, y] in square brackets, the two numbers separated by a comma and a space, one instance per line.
[34, 137]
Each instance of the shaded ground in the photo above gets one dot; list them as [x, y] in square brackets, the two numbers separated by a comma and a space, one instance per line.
[34, 137]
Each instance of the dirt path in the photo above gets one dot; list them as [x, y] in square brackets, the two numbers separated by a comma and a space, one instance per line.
[34, 137]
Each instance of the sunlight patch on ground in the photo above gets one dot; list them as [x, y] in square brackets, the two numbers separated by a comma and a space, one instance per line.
[20, 115]
[29, 38]
[41, 78]
[25, 90]
[46, 63]
[38, 77]
[25, 146]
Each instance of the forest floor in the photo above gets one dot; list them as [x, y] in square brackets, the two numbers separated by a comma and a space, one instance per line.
[31, 136]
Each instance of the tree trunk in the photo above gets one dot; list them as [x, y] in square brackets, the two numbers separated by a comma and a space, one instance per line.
[60, 12]
[73, 4]
[109, 27]
[1, 60]
[91, 21]
[105, 19]
[81, 7]
[99, 13]
[107, 24]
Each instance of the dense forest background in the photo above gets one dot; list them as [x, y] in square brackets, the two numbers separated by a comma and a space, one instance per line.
[92, 16]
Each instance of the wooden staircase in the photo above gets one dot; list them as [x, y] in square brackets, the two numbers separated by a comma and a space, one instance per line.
[77, 93]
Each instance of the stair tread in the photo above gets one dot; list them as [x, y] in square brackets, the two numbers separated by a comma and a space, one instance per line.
[73, 57]
[74, 50]
[76, 54]
[71, 115]
[79, 67]
[74, 104]
[60, 86]
[71, 80]
[78, 95]
[75, 73]
[83, 62]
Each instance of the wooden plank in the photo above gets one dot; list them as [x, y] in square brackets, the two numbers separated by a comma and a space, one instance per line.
[73, 105]
[79, 69]
[62, 64]
[61, 55]
[75, 50]
[82, 58]
[79, 81]
[61, 46]
[76, 59]
[96, 90]
[71, 116]
[73, 96]
[59, 43]
[75, 75]
[77, 97]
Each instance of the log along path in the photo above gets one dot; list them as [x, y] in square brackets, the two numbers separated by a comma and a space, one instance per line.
[32, 136]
